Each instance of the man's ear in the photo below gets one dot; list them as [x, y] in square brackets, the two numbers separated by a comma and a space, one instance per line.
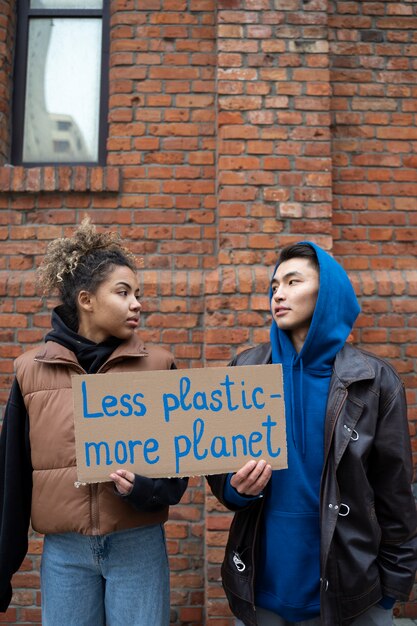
[85, 301]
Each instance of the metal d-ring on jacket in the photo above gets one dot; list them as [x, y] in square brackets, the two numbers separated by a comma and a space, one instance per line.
[368, 516]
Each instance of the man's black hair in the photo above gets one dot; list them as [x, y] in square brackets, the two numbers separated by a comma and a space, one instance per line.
[299, 250]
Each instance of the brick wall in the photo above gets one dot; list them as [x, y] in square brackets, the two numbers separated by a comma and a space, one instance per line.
[373, 60]
[235, 127]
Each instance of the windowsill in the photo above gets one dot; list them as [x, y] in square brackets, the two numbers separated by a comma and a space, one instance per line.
[59, 178]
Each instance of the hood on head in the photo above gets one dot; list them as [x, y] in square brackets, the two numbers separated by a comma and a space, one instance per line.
[334, 316]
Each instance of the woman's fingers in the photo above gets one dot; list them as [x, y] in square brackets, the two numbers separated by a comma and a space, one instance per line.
[123, 480]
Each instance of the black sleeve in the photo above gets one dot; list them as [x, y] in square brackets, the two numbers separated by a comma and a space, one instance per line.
[217, 482]
[15, 491]
[154, 493]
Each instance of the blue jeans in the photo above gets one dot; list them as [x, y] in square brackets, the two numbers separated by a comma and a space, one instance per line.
[119, 579]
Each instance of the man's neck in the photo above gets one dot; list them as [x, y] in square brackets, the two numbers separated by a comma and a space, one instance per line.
[298, 339]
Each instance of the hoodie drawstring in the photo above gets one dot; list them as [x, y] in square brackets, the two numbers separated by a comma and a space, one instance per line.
[291, 383]
[294, 425]
[302, 414]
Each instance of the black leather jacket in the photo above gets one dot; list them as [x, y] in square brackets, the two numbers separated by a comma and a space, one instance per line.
[368, 514]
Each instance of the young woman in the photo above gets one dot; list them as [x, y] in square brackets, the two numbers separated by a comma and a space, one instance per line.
[104, 559]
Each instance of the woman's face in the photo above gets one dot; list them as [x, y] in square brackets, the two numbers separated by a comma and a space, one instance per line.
[113, 310]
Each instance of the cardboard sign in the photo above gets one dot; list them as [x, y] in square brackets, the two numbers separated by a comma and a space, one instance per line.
[179, 422]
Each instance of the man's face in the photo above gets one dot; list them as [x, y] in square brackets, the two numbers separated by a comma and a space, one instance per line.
[295, 287]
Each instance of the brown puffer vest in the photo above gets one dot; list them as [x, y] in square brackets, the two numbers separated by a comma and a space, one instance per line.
[58, 505]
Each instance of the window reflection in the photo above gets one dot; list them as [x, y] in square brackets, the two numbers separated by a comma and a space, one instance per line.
[62, 87]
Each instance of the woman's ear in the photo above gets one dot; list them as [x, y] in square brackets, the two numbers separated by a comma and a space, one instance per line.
[85, 301]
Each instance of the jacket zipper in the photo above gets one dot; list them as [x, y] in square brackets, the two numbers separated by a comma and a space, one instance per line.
[95, 518]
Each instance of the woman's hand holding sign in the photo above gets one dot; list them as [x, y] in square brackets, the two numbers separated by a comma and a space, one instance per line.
[124, 481]
[252, 478]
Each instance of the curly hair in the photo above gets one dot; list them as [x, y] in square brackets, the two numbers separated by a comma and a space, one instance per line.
[83, 261]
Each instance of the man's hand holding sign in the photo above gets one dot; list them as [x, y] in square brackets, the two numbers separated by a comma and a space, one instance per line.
[252, 478]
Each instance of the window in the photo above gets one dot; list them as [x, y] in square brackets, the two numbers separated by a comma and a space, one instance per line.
[61, 82]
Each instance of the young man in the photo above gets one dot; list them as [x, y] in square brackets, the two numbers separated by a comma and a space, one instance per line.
[332, 539]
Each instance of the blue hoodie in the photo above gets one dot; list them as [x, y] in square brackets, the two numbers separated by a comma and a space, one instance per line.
[288, 578]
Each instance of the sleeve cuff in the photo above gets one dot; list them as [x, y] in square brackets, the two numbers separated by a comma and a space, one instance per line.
[236, 499]
[142, 491]
[386, 602]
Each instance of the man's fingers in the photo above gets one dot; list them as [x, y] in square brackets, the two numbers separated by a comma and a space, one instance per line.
[252, 478]
[245, 471]
[250, 472]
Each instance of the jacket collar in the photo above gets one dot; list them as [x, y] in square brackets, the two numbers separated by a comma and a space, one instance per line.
[352, 365]
[52, 351]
